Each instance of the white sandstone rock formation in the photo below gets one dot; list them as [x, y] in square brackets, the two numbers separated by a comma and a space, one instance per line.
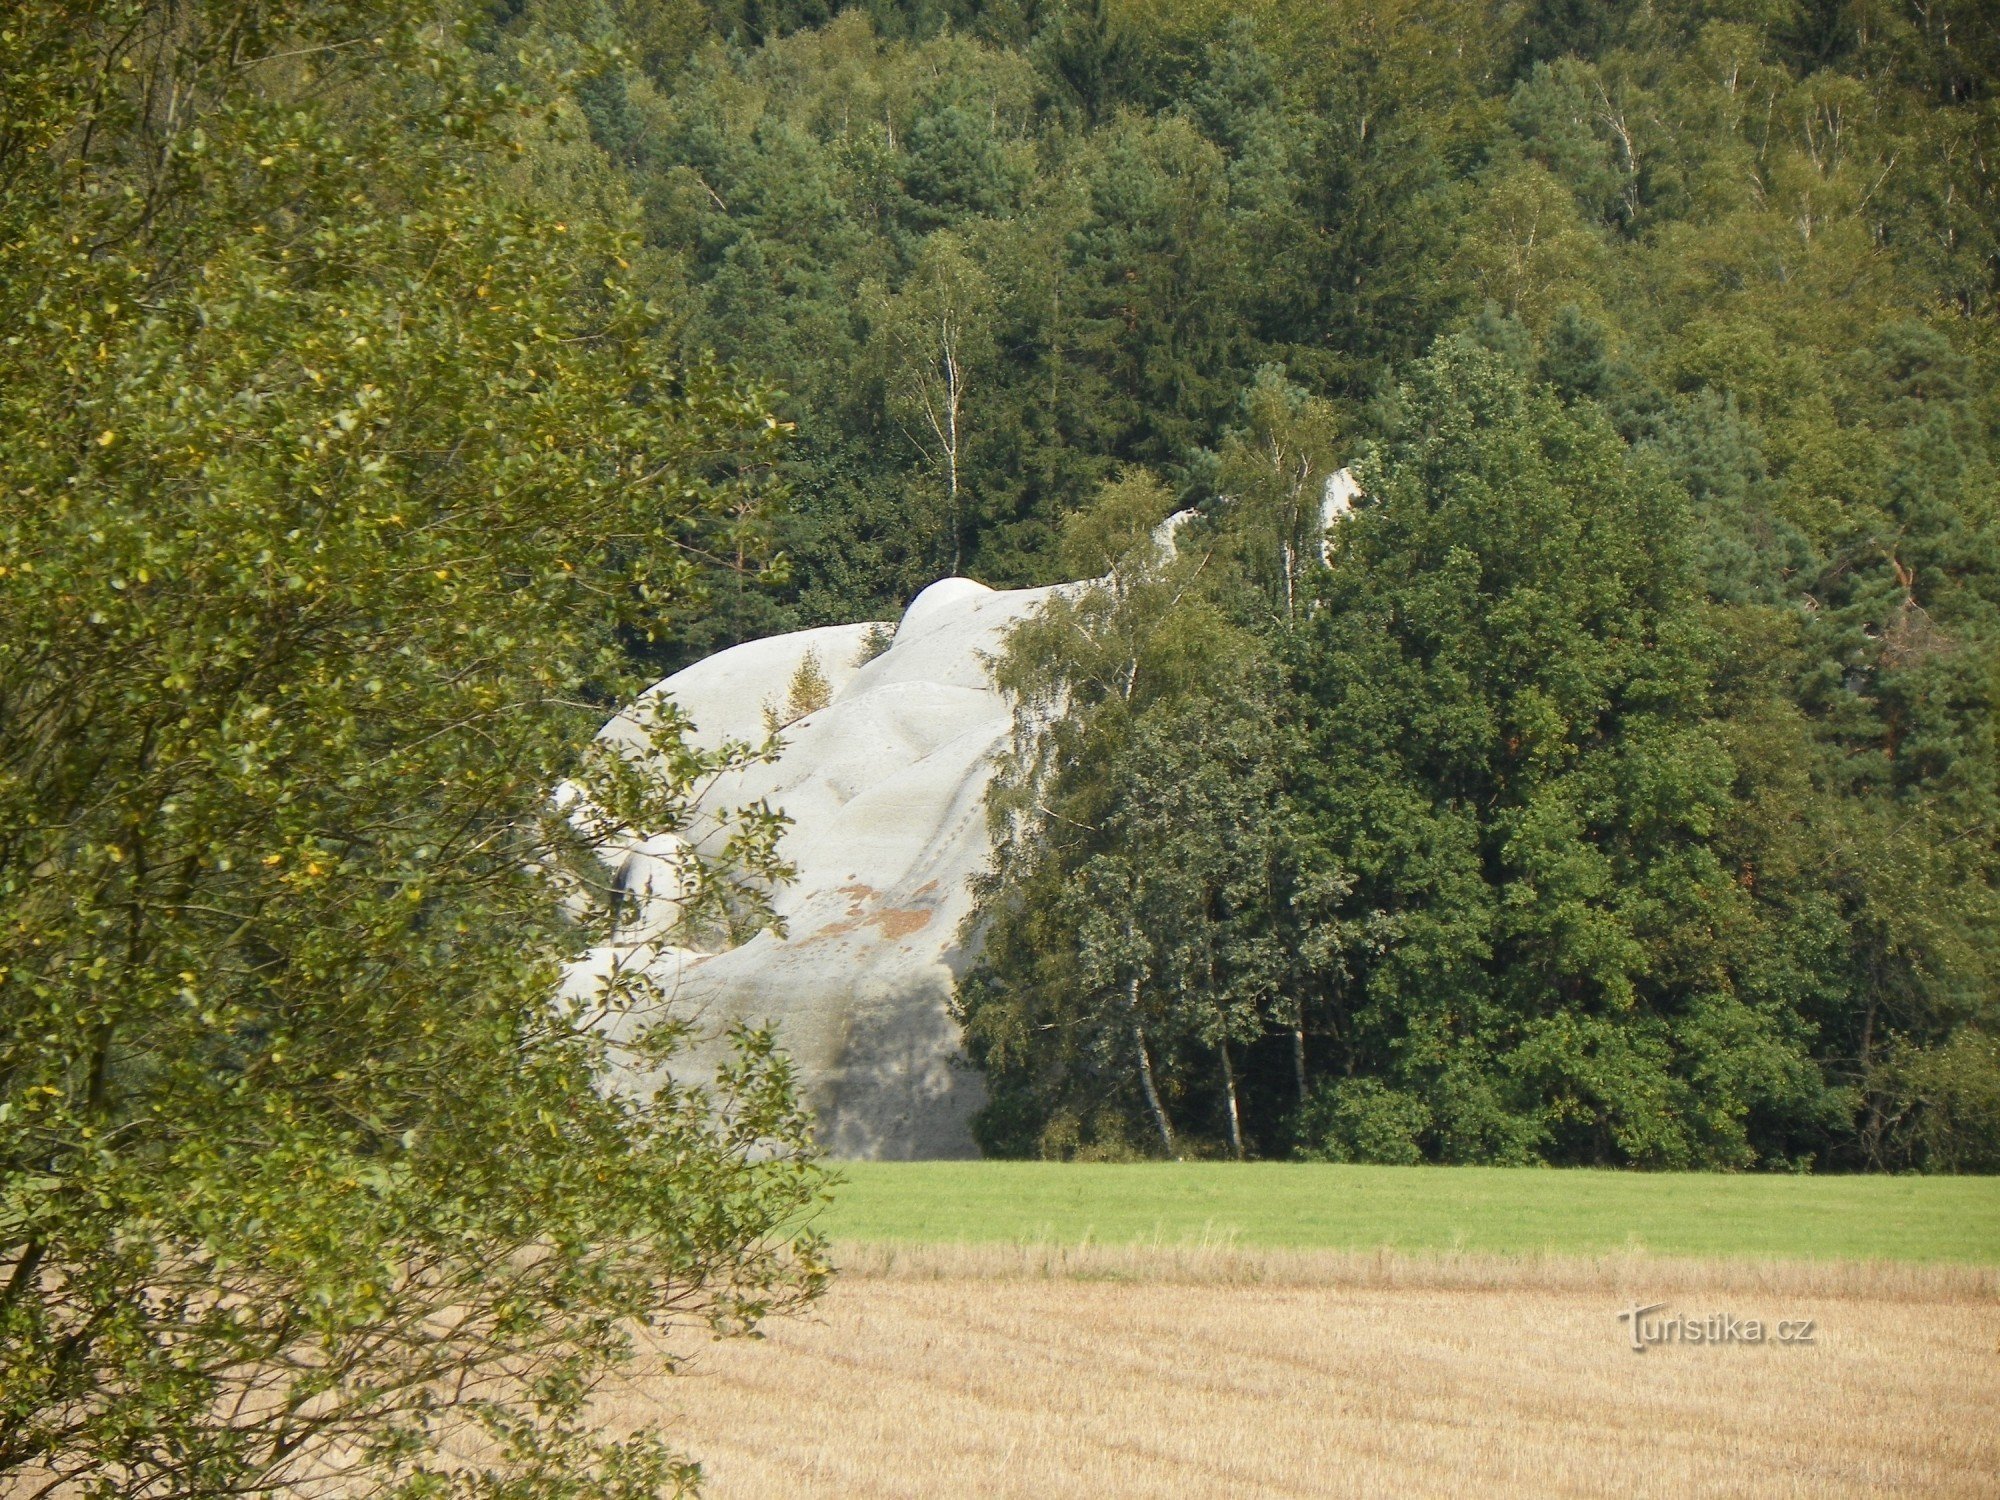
[885, 786]
[1336, 502]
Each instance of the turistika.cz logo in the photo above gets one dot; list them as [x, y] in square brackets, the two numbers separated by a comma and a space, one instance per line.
[1714, 1328]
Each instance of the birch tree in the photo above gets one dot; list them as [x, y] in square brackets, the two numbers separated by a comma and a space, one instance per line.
[1273, 473]
[1136, 823]
[934, 333]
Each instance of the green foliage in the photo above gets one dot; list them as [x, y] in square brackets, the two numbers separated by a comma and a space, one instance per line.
[1271, 475]
[335, 458]
[1361, 1119]
[1132, 925]
[1116, 530]
[1096, 225]
[878, 639]
[1510, 750]
[1515, 895]
[807, 693]
[1155, 201]
[1943, 1104]
[1640, 792]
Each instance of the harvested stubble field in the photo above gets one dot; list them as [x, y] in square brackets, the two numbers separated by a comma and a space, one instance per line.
[1055, 1371]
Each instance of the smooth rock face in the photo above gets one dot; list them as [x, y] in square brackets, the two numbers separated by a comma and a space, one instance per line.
[885, 786]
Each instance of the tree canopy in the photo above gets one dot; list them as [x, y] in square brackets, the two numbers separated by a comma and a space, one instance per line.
[1730, 270]
[342, 460]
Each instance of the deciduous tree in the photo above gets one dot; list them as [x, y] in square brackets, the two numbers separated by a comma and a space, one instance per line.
[333, 460]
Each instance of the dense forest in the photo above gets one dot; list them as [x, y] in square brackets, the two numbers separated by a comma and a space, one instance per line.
[1618, 785]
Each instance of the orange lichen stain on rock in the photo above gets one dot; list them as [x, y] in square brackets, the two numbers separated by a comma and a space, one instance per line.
[895, 921]
[834, 929]
[901, 921]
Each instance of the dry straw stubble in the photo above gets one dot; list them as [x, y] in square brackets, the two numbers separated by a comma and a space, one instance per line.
[1098, 1371]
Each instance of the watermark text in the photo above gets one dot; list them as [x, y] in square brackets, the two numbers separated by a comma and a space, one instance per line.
[1649, 1324]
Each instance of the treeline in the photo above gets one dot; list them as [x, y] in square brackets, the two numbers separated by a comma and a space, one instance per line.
[1620, 785]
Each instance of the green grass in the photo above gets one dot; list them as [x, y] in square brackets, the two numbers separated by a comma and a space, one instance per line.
[1300, 1206]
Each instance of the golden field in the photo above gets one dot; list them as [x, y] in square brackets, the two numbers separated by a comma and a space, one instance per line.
[1045, 1372]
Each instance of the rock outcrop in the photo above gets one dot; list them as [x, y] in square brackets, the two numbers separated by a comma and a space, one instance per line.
[883, 774]
[885, 786]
